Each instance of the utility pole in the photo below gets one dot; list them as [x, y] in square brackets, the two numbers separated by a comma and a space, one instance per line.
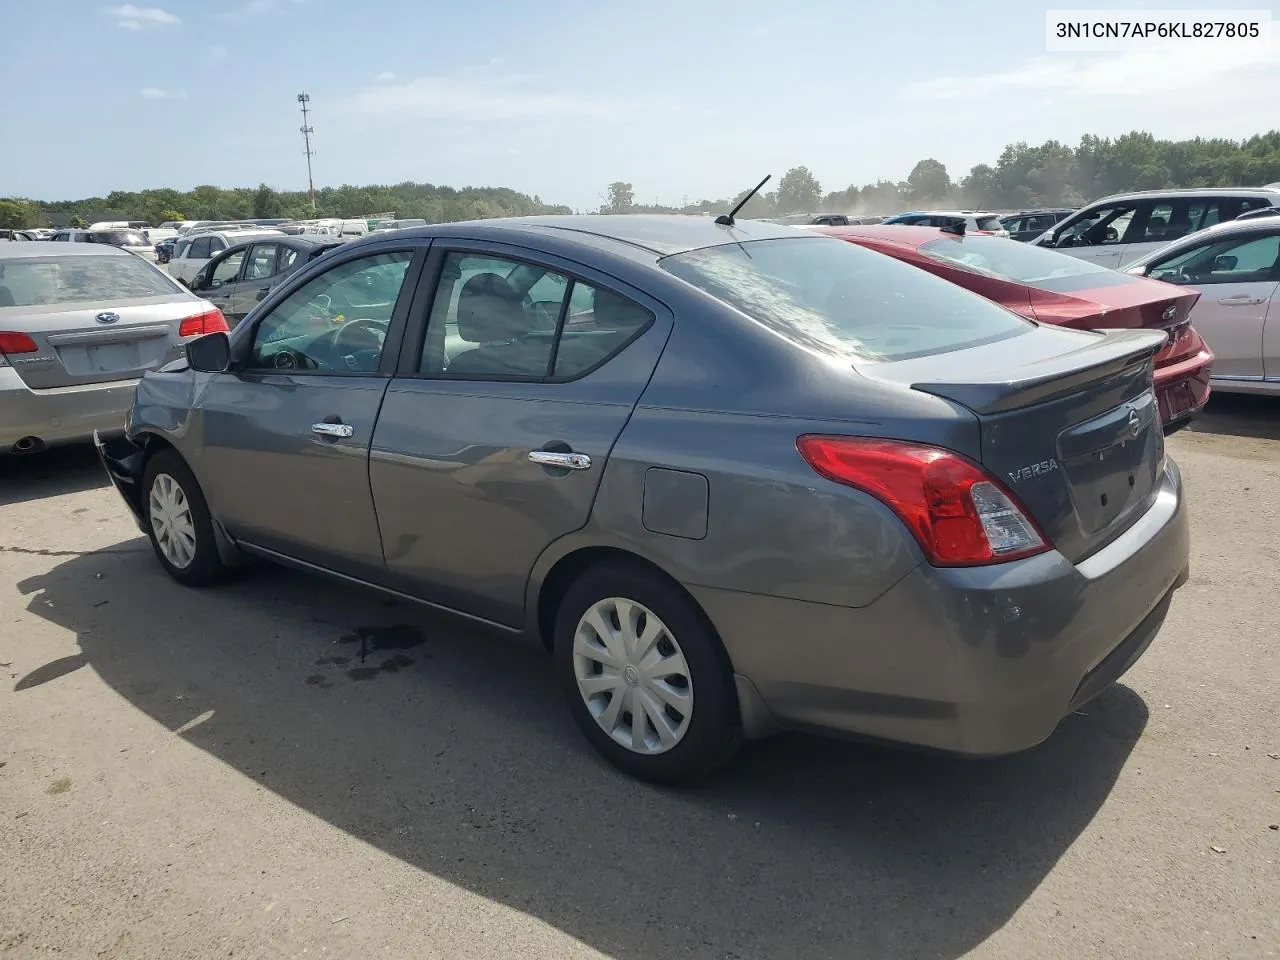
[307, 130]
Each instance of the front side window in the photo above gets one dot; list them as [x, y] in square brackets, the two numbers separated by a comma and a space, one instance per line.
[500, 319]
[830, 295]
[336, 322]
[1249, 259]
[1097, 227]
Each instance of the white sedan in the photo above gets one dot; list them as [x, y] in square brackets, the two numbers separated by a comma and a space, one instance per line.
[1236, 267]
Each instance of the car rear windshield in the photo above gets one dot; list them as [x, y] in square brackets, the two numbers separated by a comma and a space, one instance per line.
[53, 280]
[988, 223]
[1011, 260]
[844, 300]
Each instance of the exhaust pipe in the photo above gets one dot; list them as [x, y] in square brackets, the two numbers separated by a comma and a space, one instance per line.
[28, 445]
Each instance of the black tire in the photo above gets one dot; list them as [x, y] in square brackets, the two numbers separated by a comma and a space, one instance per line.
[206, 566]
[714, 730]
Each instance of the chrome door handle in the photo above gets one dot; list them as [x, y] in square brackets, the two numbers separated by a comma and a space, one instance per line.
[341, 431]
[1242, 301]
[564, 461]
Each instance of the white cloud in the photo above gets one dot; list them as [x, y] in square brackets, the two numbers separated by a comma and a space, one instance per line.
[475, 96]
[131, 17]
[1151, 72]
[155, 93]
[385, 76]
[217, 53]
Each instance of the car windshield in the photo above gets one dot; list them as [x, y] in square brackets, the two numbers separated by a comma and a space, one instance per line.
[1009, 259]
[839, 298]
[54, 280]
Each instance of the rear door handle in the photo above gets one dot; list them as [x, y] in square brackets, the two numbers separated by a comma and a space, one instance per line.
[339, 431]
[1242, 301]
[563, 461]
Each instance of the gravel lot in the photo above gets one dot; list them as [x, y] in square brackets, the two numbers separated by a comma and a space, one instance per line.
[215, 774]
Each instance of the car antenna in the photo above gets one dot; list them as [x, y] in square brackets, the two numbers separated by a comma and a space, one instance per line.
[726, 219]
[955, 226]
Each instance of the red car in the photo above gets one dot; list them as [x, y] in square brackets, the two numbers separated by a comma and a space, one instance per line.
[1053, 287]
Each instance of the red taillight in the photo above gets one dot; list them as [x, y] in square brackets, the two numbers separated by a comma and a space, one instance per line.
[17, 343]
[958, 514]
[211, 321]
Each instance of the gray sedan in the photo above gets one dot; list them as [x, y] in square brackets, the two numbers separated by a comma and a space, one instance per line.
[79, 324]
[735, 478]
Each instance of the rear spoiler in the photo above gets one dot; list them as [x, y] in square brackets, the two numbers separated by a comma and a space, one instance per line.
[1051, 377]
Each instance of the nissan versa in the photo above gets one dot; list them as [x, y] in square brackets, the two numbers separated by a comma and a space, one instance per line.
[736, 478]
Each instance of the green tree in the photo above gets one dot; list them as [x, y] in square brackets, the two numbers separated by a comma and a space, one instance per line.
[265, 202]
[928, 182]
[798, 192]
[79, 222]
[167, 215]
[16, 214]
[621, 198]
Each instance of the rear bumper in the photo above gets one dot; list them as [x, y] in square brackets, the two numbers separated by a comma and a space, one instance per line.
[1182, 386]
[979, 660]
[60, 414]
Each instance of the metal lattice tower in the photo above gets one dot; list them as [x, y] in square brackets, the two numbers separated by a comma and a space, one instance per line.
[307, 130]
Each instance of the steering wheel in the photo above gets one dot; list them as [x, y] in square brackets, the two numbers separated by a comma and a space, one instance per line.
[357, 336]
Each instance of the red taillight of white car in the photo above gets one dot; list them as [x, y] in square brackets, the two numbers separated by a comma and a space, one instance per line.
[211, 321]
[14, 343]
[959, 514]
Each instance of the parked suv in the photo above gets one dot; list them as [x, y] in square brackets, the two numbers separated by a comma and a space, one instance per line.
[1116, 231]
[193, 251]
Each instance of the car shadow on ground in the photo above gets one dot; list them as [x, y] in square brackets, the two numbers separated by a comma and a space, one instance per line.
[449, 748]
[34, 476]
[1240, 415]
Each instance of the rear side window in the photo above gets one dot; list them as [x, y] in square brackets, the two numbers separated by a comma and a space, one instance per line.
[57, 280]
[988, 223]
[497, 319]
[831, 295]
[201, 249]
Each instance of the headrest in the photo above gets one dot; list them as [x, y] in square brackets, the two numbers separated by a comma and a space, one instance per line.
[489, 310]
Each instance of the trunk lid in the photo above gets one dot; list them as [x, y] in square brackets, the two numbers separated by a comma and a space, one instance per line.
[1069, 423]
[81, 344]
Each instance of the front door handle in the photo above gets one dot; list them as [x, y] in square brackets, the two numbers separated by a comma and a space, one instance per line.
[562, 461]
[1242, 301]
[339, 431]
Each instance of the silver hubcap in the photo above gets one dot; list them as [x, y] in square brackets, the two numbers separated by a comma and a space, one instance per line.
[632, 675]
[171, 520]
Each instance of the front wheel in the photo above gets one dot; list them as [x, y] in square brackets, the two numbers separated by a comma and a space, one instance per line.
[647, 679]
[179, 523]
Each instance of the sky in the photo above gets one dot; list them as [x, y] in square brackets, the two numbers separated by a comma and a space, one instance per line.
[559, 98]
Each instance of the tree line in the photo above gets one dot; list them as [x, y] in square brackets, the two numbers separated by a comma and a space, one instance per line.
[1051, 174]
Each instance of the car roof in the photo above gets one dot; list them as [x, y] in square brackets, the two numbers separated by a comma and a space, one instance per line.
[1269, 192]
[903, 235]
[44, 248]
[661, 235]
[299, 241]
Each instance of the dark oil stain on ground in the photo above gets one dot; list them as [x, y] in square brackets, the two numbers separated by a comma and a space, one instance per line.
[393, 665]
[399, 636]
[333, 661]
[319, 680]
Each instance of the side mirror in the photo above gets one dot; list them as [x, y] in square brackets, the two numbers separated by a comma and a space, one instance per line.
[1224, 263]
[210, 353]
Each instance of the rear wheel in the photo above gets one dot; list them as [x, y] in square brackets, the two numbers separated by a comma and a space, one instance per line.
[647, 680]
[179, 523]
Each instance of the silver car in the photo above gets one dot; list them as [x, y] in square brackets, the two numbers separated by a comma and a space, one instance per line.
[736, 477]
[79, 324]
[1236, 268]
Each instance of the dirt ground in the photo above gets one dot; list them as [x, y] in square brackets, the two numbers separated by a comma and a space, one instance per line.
[215, 774]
